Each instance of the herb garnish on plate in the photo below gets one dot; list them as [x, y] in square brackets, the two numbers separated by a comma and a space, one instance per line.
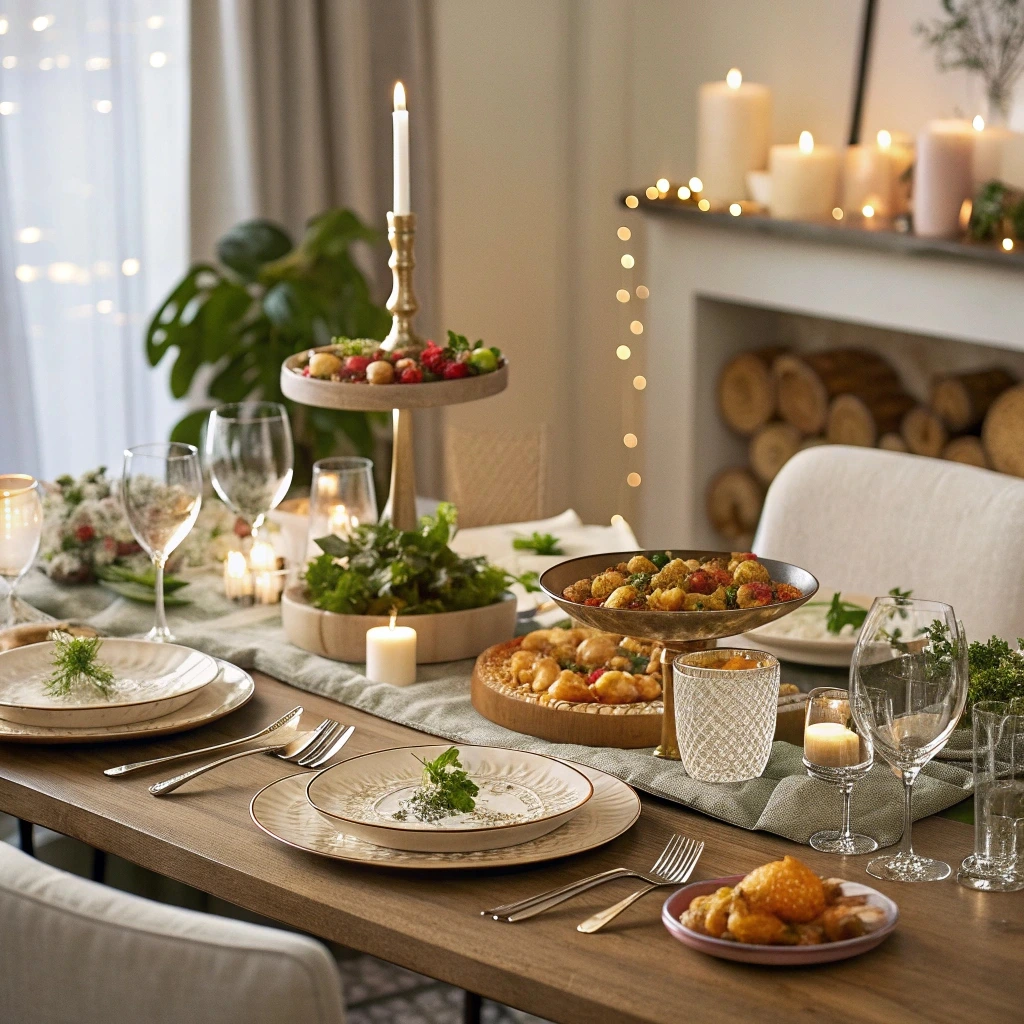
[446, 790]
[74, 662]
[845, 613]
[539, 544]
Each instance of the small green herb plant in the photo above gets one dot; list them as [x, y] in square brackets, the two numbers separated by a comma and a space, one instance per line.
[995, 672]
[379, 569]
[539, 544]
[446, 790]
[75, 662]
[845, 613]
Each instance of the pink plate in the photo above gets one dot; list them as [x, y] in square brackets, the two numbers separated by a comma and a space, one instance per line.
[777, 956]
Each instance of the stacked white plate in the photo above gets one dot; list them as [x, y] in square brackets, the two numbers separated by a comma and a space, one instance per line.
[529, 808]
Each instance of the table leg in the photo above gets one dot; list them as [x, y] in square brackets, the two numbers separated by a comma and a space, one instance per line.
[668, 748]
[471, 1007]
[25, 837]
[401, 506]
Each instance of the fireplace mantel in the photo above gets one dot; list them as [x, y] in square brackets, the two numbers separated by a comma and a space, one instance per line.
[719, 286]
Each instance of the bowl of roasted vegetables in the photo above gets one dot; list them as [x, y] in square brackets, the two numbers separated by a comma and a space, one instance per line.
[677, 595]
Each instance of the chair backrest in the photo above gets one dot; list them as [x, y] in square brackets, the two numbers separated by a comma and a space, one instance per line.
[867, 520]
[75, 952]
[496, 477]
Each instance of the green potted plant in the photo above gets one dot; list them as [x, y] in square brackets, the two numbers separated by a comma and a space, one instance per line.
[263, 300]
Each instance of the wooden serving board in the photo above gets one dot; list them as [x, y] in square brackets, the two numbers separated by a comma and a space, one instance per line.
[593, 725]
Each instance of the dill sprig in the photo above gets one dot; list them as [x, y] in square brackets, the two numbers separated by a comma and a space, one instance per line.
[74, 662]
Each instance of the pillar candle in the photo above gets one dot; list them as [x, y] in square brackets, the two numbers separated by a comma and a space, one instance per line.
[391, 654]
[831, 745]
[804, 180]
[237, 578]
[942, 177]
[734, 124]
[400, 127]
[867, 176]
[1012, 161]
[990, 141]
[901, 157]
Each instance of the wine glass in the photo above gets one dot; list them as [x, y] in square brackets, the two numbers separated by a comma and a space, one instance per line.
[908, 687]
[835, 752]
[162, 490]
[250, 457]
[21, 524]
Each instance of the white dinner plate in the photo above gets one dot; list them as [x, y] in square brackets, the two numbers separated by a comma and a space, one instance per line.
[802, 637]
[522, 795]
[150, 680]
[283, 812]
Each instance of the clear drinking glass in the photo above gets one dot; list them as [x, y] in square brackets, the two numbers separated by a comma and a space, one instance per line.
[21, 524]
[908, 687]
[162, 490]
[341, 497]
[726, 702]
[835, 752]
[997, 864]
[250, 457]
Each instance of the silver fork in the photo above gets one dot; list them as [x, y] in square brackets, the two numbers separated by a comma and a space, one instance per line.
[309, 750]
[521, 910]
[675, 872]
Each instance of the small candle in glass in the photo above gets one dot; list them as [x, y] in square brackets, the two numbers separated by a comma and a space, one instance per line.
[340, 498]
[391, 654]
[268, 581]
[237, 578]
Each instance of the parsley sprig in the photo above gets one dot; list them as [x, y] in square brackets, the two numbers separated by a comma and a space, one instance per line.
[846, 613]
[446, 789]
[539, 544]
[74, 662]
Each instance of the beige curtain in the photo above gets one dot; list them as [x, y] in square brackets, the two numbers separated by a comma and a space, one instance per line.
[291, 104]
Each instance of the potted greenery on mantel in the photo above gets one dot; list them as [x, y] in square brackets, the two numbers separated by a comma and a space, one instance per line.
[264, 300]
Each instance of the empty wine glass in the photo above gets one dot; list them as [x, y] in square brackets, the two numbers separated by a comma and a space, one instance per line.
[250, 457]
[835, 752]
[908, 687]
[162, 490]
[21, 524]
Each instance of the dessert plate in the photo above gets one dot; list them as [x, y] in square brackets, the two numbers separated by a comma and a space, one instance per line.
[150, 680]
[283, 812]
[775, 956]
[522, 795]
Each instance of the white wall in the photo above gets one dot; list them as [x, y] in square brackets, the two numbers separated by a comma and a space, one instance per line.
[548, 110]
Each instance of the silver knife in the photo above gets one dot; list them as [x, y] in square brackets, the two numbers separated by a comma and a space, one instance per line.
[289, 719]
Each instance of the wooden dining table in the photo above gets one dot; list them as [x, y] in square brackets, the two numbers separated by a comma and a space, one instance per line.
[956, 954]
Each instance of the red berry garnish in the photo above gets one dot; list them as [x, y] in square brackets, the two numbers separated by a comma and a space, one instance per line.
[411, 375]
[357, 364]
[85, 533]
[454, 371]
[595, 675]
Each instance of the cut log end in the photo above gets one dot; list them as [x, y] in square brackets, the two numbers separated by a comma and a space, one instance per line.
[747, 392]
[1003, 430]
[961, 400]
[924, 432]
[892, 442]
[734, 500]
[861, 419]
[771, 448]
[968, 450]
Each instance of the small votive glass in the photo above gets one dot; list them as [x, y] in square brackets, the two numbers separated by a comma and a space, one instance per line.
[726, 702]
[21, 526]
[835, 752]
[341, 498]
[997, 864]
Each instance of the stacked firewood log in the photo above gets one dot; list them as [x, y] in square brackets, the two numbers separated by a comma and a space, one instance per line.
[784, 401]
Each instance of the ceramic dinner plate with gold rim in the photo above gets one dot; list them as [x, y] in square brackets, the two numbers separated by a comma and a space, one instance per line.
[150, 680]
[230, 690]
[283, 812]
[522, 795]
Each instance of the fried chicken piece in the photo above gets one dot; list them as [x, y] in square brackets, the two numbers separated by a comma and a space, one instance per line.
[753, 595]
[850, 920]
[563, 653]
[616, 688]
[631, 643]
[716, 915]
[832, 887]
[693, 917]
[570, 686]
[545, 672]
[577, 592]
[605, 583]
[716, 601]
[751, 572]
[740, 556]
[756, 927]
[641, 563]
[596, 650]
[671, 575]
[620, 663]
[812, 934]
[716, 562]
[788, 689]
[622, 597]
[522, 661]
[787, 592]
[648, 687]
[667, 600]
[787, 888]
[538, 640]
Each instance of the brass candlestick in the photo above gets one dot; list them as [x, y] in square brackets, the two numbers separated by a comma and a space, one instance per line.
[402, 302]
[668, 748]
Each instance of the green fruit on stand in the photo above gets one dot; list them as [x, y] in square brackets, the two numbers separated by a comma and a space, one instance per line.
[484, 360]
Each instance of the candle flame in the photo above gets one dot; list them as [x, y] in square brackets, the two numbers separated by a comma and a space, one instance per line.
[394, 618]
[734, 79]
[979, 123]
[884, 139]
[236, 567]
[399, 96]
[1008, 244]
[696, 185]
[806, 142]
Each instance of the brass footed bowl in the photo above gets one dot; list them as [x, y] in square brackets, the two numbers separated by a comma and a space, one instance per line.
[671, 627]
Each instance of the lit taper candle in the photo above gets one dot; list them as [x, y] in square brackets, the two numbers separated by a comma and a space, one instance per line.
[400, 123]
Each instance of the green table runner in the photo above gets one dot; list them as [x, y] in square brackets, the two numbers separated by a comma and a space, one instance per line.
[783, 801]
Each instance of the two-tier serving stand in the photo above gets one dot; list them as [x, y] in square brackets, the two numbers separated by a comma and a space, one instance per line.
[401, 399]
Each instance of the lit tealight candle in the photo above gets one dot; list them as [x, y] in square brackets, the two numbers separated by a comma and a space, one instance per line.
[339, 521]
[391, 654]
[267, 582]
[868, 176]
[831, 745]
[804, 178]
[237, 578]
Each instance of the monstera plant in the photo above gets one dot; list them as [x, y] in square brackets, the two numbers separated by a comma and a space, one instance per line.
[263, 300]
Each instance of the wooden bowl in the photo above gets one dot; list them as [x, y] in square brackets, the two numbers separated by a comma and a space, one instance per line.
[447, 636]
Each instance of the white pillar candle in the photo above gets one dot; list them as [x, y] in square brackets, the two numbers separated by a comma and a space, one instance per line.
[942, 177]
[831, 745]
[868, 176]
[391, 654]
[400, 127]
[734, 126]
[987, 160]
[804, 180]
[237, 578]
[267, 582]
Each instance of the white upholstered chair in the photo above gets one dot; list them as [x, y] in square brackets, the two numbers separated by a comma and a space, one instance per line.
[867, 520]
[75, 952]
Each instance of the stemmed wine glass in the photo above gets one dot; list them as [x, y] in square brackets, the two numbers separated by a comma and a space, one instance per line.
[908, 687]
[834, 752]
[250, 457]
[21, 525]
[162, 490]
